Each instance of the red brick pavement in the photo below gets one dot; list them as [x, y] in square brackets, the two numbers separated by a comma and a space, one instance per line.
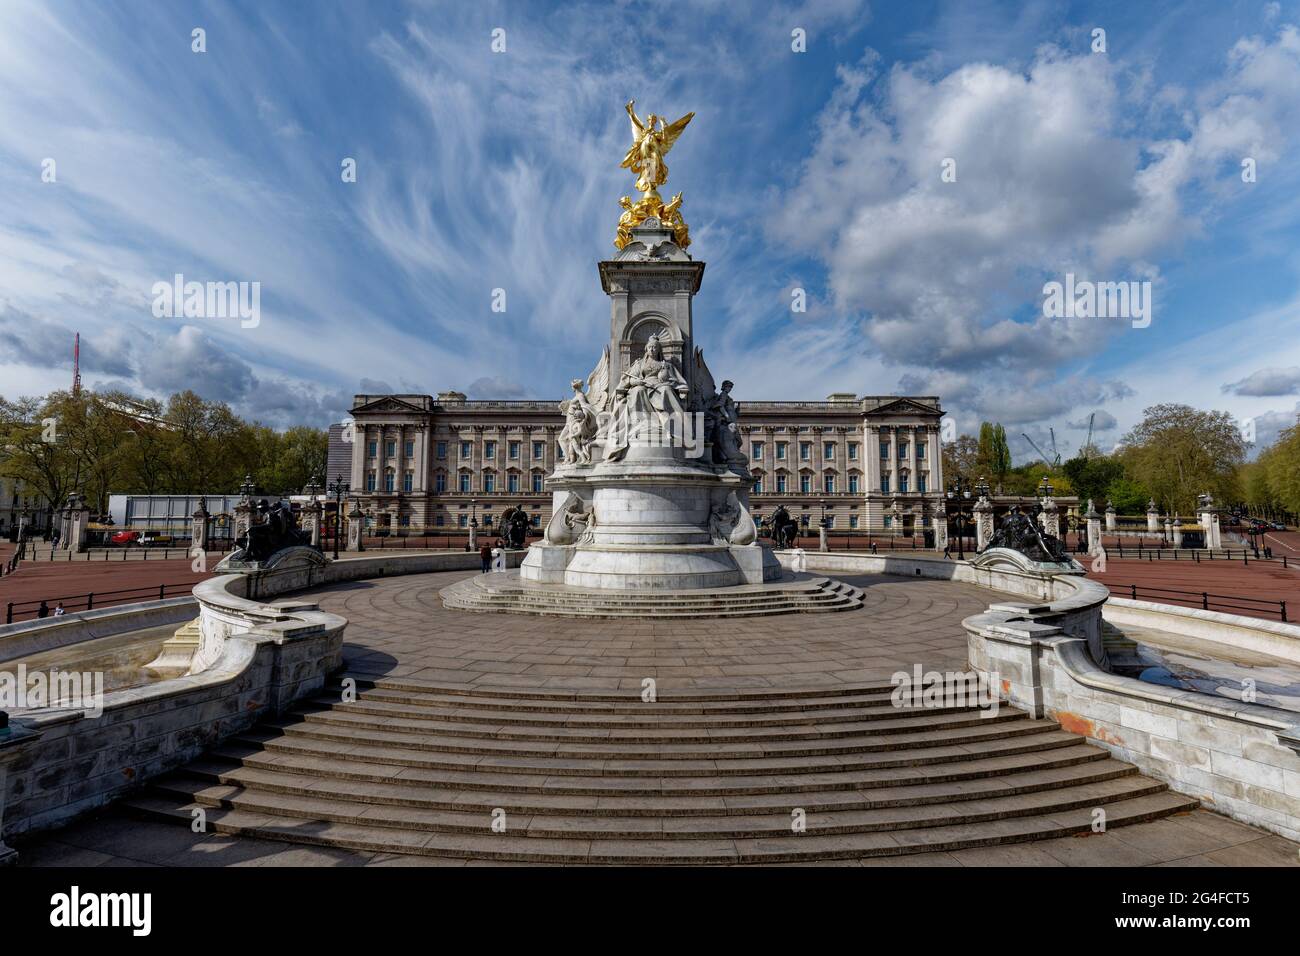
[34, 581]
[1265, 581]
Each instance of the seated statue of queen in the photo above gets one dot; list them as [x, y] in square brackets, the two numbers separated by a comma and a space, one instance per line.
[648, 402]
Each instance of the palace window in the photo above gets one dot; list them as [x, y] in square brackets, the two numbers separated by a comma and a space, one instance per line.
[464, 521]
[805, 450]
[828, 484]
[853, 451]
[830, 521]
[828, 449]
[920, 481]
[439, 520]
[442, 449]
[538, 482]
[853, 484]
[853, 522]
[464, 484]
[537, 521]
[780, 451]
[372, 448]
[756, 450]
[440, 482]
[408, 481]
[884, 484]
[408, 449]
[902, 482]
[920, 451]
[513, 450]
[390, 479]
[902, 450]
[512, 484]
[538, 451]
[889, 522]
[466, 449]
[390, 449]
[489, 449]
[489, 482]
[780, 484]
[370, 481]
[404, 521]
[803, 520]
[805, 484]
[758, 486]
[884, 449]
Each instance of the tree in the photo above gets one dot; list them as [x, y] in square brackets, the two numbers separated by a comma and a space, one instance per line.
[961, 460]
[1092, 478]
[1179, 452]
[994, 453]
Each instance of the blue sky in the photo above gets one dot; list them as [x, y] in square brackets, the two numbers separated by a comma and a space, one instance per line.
[817, 170]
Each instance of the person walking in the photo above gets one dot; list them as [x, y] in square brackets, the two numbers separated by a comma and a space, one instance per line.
[485, 557]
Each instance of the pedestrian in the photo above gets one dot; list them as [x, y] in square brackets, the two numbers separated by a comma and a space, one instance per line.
[58, 610]
[947, 550]
[485, 557]
[873, 547]
[43, 610]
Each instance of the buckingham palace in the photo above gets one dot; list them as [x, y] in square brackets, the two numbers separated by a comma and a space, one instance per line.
[436, 464]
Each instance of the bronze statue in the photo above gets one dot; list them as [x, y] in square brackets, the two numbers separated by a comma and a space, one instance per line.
[1019, 532]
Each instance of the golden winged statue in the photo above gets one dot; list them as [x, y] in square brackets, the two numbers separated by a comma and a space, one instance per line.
[651, 141]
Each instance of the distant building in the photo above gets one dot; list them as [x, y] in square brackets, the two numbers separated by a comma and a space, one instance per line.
[20, 504]
[418, 462]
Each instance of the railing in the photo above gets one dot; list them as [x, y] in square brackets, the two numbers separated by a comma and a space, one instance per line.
[1204, 600]
[92, 600]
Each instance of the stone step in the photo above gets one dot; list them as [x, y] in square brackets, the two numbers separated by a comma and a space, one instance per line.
[512, 846]
[642, 718]
[695, 773]
[352, 715]
[320, 806]
[427, 735]
[939, 766]
[287, 779]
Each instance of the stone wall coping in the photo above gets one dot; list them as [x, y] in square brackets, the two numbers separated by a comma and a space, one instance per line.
[32, 637]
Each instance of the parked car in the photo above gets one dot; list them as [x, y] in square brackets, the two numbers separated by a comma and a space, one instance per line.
[151, 539]
[1278, 526]
[124, 538]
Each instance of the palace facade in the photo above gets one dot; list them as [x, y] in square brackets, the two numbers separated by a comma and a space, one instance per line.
[425, 463]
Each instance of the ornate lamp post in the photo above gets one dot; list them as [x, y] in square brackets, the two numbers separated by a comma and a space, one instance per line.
[473, 512]
[338, 488]
[959, 494]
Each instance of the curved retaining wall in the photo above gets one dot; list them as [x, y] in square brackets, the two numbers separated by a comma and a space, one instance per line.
[1240, 759]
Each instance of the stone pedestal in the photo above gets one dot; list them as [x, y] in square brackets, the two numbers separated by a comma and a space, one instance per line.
[1153, 517]
[78, 524]
[243, 518]
[312, 515]
[983, 522]
[1209, 522]
[1051, 518]
[1110, 516]
[941, 532]
[473, 537]
[1169, 530]
[356, 529]
[14, 739]
[199, 529]
[821, 539]
[1178, 532]
[1094, 528]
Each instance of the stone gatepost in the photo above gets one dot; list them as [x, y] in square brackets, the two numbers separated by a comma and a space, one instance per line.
[78, 524]
[314, 513]
[1110, 515]
[1153, 517]
[1208, 519]
[1216, 537]
[1094, 528]
[1178, 532]
[356, 525]
[199, 529]
[243, 518]
[1051, 518]
[473, 537]
[1169, 530]
[65, 522]
[13, 741]
[821, 539]
[941, 532]
[983, 522]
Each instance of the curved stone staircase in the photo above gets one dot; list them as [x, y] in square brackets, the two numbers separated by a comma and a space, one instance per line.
[693, 778]
[506, 592]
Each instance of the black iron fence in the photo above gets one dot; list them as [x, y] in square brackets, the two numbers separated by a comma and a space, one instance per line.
[16, 610]
[1202, 599]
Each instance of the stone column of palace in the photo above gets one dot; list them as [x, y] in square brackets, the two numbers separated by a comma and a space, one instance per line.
[1110, 515]
[871, 446]
[983, 511]
[360, 436]
[1153, 517]
[1094, 527]
[199, 529]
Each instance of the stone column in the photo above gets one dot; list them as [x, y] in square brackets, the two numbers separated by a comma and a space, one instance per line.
[199, 528]
[1169, 530]
[473, 537]
[1110, 515]
[1178, 532]
[314, 511]
[243, 518]
[1051, 518]
[821, 539]
[940, 519]
[78, 524]
[1153, 517]
[983, 522]
[356, 525]
[13, 741]
[1094, 528]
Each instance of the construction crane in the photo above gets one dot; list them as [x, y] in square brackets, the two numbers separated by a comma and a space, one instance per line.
[1056, 455]
[76, 366]
[1041, 453]
[1086, 451]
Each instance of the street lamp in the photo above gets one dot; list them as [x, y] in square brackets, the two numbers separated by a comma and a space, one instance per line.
[959, 494]
[338, 488]
[823, 521]
[247, 488]
[473, 512]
